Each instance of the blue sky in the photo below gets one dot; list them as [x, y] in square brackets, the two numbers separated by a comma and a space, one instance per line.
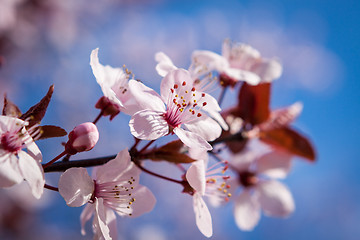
[318, 43]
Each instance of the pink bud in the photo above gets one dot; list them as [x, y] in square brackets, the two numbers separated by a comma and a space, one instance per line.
[108, 107]
[82, 138]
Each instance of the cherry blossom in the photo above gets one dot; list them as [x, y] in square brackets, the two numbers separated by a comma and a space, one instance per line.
[115, 188]
[114, 84]
[180, 109]
[257, 173]
[209, 182]
[238, 62]
[165, 65]
[15, 163]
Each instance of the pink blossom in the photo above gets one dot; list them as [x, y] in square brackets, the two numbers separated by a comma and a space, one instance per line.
[165, 65]
[15, 163]
[114, 84]
[238, 62]
[115, 188]
[209, 182]
[257, 172]
[180, 109]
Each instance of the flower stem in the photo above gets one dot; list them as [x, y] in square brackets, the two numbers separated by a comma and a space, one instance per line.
[146, 146]
[157, 175]
[51, 188]
[99, 116]
[54, 160]
[62, 166]
[221, 96]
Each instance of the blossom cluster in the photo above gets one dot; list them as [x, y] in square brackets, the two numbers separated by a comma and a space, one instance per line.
[232, 155]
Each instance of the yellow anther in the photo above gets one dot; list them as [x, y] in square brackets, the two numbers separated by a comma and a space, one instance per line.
[186, 91]
[225, 191]
[182, 97]
[229, 194]
[181, 109]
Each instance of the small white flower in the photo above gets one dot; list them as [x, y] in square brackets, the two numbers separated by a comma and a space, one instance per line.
[114, 84]
[115, 188]
[257, 174]
[209, 182]
[15, 163]
[180, 109]
[238, 62]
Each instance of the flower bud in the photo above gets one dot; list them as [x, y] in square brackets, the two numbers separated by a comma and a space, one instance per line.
[82, 138]
[108, 107]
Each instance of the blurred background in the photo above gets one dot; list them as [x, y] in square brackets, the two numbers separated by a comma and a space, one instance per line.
[49, 42]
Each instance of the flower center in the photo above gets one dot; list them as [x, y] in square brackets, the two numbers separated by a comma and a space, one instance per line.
[247, 179]
[217, 182]
[117, 195]
[11, 142]
[184, 105]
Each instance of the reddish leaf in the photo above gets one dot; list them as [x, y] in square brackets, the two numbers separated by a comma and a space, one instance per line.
[170, 153]
[289, 140]
[49, 131]
[254, 103]
[36, 113]
[10, 109]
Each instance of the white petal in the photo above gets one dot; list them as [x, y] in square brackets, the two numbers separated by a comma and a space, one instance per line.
[9, 171]
[268, 70]
[119, 168]
[177, 76]
[165, 65]
[202, 216]
[283, 117]
[33, 150]
[275, 164]
[106, 76]
[219, 119]
[275, 198]
[148, 125]
[195, 175]
[192, 140]
[111, 223]
[205, 127]
[99, 224]
[33, 173]
[211, 60]
[247, 211]
[242, 75]
[226, 48]
[243, 160]
[76, 186]
[146, 97]
[85, 216]
[144, 201]
[10, 123]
